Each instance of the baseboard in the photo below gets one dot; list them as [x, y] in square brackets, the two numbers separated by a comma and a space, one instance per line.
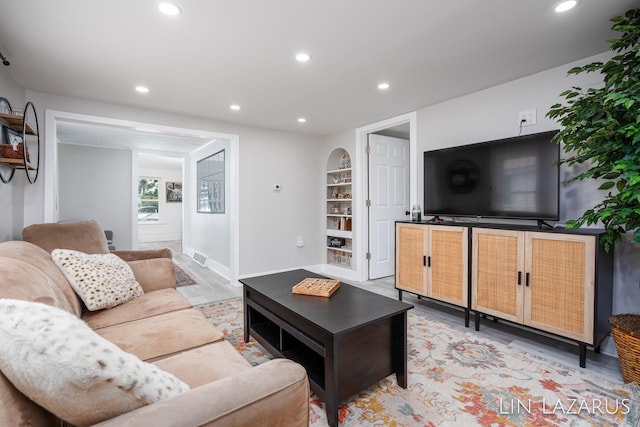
[213, 265]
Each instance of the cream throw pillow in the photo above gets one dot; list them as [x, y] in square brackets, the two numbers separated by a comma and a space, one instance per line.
[100, 280]
[60, 363]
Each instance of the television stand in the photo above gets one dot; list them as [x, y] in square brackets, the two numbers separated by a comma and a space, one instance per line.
[542, 222]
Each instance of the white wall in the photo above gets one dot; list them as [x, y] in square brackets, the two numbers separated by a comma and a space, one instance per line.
[168, 169]
[210, 233]
[95, 183]
[492, 114]
[275, 219]
[12, 194]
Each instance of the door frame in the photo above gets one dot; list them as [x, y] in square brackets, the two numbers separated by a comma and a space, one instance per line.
[361, 231]
[51, 174]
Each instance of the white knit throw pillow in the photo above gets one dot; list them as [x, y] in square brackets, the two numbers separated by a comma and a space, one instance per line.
[100, 280]
[60, 363]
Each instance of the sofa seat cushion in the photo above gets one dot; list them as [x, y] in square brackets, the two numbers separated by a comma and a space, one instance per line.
[206, 364]
[148, 305]
[60, 363]
[162, 335]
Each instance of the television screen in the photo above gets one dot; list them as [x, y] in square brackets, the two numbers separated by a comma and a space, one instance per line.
[509, 178]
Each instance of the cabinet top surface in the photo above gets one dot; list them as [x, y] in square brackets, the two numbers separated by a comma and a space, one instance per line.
[517, 227]
[348, 308]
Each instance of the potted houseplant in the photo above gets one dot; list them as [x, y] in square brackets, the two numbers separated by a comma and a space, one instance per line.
[601, 132]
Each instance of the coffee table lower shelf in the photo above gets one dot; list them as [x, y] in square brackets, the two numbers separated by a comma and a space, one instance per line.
[337, 366]
[274, 336]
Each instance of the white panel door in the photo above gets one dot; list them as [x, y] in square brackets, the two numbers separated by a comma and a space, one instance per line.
[389, 195]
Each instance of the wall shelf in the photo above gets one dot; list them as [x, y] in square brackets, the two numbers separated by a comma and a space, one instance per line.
[27, 134]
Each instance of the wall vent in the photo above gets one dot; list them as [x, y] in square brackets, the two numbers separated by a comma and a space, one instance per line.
[200, 258]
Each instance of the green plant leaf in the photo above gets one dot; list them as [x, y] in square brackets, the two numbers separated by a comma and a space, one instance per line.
[606, 185]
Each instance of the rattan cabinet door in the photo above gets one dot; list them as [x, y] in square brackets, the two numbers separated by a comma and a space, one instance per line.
[497, 277]
[448, 264]
[410, 258]
[560, 295]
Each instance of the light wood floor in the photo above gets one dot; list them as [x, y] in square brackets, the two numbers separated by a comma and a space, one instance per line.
[212, 287]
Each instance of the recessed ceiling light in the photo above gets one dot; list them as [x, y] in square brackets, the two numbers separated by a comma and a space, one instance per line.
[234, 107]
[302, 120]
[142, 89]
[383, 86]
[565, 5]
[303, 57]
[170, 9]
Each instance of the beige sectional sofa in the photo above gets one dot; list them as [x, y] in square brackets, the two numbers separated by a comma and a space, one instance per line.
[159, 327]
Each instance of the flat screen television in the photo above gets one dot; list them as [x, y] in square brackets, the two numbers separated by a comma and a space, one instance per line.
[515, 178]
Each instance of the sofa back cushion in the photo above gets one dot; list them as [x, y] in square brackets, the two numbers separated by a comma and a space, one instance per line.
[83, 236]
[29, 273]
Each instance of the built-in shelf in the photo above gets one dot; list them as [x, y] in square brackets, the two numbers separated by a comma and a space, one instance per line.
[339, 207]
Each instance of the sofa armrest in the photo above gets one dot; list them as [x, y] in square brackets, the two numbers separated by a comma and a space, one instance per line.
[135, 255]
[155, 273]
[275, 393]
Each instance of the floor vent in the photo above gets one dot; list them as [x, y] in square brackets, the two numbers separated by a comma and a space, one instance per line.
[200, 258]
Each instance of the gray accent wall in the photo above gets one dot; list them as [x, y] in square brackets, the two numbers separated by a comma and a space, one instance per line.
[95, 183]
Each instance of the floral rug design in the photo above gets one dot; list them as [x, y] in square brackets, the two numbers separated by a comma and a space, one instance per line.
[460, 379]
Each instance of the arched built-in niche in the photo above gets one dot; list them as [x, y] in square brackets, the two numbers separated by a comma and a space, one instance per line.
[339, 245]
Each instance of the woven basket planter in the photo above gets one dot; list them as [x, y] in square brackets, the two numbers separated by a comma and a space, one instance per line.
[625, 329]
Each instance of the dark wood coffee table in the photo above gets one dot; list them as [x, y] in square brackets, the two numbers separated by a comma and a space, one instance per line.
[347, 342]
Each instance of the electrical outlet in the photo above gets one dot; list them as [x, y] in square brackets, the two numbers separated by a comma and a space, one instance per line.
[527, 118]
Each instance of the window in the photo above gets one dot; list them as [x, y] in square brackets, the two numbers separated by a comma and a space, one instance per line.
[148, 206]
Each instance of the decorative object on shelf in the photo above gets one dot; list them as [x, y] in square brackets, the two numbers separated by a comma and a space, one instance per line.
[416, 213]
[14, 147]
[211, 183]
[625, 329]
[336, 242]
[174, 192]
[345, 161]
[316, 287]
[5, 106]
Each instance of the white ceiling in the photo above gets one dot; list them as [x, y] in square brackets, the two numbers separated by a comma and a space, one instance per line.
[220, 52]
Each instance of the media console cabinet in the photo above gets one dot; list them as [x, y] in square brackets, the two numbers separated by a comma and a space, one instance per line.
[553, 280]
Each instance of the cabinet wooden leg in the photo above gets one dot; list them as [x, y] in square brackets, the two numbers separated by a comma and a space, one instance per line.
[477, 319]
[582, 348]
[399, 295]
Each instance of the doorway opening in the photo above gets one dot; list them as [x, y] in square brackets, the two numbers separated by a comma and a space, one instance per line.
[387, 153]
[87, 133]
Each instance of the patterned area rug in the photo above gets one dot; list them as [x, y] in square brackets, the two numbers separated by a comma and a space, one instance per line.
[183, 279]
[461, 379]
